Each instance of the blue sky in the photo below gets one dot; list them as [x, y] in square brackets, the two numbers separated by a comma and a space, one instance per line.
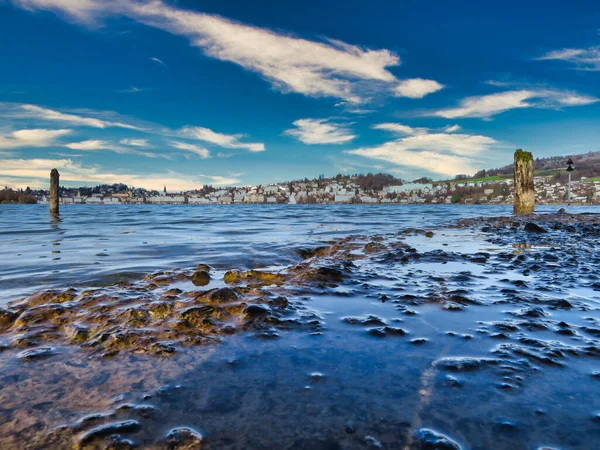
[185, 93]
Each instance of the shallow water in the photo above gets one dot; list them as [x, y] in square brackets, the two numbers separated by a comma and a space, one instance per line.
[99, 244]
[345, 385]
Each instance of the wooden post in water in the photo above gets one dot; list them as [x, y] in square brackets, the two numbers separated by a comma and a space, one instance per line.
[524, 189]
[54, 191]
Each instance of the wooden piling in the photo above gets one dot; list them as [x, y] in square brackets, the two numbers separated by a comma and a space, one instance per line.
[54, 191]
[524, 188]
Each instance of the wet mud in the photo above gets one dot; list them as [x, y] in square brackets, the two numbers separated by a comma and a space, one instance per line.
[481, 334]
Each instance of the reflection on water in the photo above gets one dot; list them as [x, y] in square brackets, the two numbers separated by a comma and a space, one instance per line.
[462, 339]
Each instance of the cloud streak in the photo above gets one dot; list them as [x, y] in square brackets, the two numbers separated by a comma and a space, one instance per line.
[320, 131]
[326, 68]
[581, 58]
[487, 106]
[27, 111]
[191, 148]
[220, 139]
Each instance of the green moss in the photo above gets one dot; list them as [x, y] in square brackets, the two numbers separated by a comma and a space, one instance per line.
[523, 156]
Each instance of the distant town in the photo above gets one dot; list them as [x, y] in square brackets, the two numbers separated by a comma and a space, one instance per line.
[486, 187]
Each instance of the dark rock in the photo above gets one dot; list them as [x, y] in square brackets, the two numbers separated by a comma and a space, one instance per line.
[103, 431]
[464, 364]
[37, 353]
[223, 295]
[386, 331]
[533, 228]
[432, 440]
[370, 320]
[184, 438]
[256, 310]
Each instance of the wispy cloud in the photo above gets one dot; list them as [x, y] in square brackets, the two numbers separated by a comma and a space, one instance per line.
[320, 131]
[95, 145]
[191, 148]
[218, 180]
[27, 111]
[104, 119]
[220, 139]
[133, 90]
[417, 88]
[581, 58]
[437, 152]
[452, 128]
[158, 61]
[37, 137]
[135, 142]
[487, 106]
[326, 68]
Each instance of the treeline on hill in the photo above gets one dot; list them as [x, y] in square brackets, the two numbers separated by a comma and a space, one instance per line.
[585, 165]
[118, 188]
[10, 196]
[369, 181]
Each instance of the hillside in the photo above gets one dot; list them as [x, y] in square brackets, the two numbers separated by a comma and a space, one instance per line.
[585, 164]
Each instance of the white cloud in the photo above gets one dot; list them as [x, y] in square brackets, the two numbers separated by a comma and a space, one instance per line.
[200, 151]
[328, 68]
[94, 144]
[486, 106]
[417, 88]
[135, 142]
[159, 61]
[37, 137]
[452, 128]
[35, 173]
[437, 152]
[26, 111]
[320, 131]
[395, 128]
[217, 180]
[220, 139]
[582, 58]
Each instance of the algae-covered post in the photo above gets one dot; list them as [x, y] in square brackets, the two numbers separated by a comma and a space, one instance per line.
[54, 191]
[524, 189]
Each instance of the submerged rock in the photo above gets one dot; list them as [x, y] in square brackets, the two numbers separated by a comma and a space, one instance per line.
[464, 364]
[103, 431]
[432, 440]
[184, 438]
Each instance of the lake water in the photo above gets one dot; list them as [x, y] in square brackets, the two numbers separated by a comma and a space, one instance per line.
[491, 342]
[94, 244]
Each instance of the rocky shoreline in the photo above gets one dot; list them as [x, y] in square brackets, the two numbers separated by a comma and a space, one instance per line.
[161, 315]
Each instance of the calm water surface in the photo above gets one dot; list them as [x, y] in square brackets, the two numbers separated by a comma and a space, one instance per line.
[98, 244]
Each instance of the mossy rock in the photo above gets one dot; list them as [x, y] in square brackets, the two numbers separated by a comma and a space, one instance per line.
[235, 276]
